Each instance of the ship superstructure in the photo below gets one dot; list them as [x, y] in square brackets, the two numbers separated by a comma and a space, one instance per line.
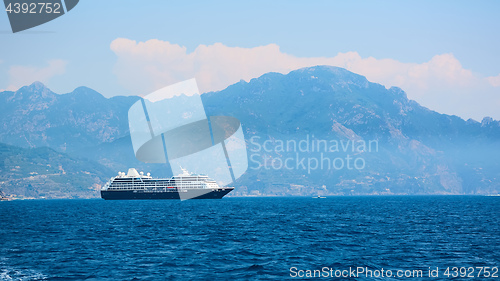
[134, 185]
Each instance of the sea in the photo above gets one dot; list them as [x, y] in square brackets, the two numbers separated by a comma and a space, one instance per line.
[259, 238]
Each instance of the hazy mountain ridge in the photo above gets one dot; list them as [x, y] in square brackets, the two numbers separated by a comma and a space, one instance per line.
[421, 151]
[34, 116]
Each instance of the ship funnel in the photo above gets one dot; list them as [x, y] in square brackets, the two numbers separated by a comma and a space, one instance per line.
[132, 173]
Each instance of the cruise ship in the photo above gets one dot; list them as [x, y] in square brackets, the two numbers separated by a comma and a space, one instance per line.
[134, 185]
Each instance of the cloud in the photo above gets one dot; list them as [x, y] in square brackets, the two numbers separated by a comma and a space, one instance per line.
[494, 80]
[441, 84]
[20, 75]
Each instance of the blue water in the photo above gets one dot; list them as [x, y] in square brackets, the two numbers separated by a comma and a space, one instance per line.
[244, 238]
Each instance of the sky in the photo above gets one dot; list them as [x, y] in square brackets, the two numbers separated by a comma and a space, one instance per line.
[443, 54]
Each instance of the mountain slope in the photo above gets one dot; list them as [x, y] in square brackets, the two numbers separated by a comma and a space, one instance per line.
[43, 172]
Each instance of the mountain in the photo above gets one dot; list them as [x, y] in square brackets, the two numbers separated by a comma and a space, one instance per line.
[34, 116]
[420, 151]
[415, 150]
[45, 173]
